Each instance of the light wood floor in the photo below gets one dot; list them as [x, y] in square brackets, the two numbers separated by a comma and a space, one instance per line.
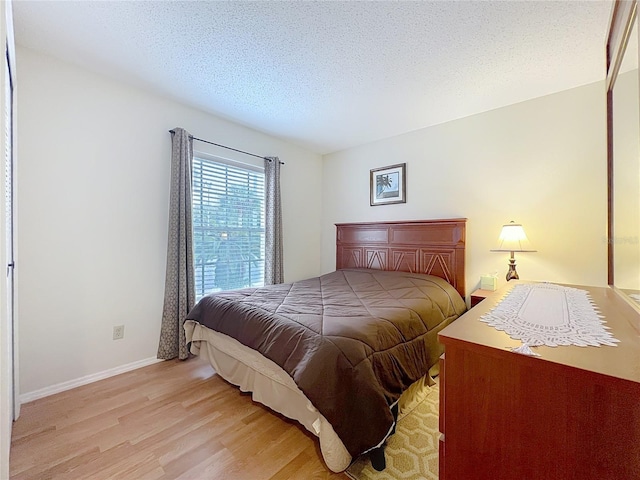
[171, 420]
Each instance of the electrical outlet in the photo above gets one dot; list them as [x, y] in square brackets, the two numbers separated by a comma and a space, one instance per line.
[118, 332]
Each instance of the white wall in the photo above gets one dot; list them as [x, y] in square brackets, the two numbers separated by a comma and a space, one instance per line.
[93, 206]
[541, 163]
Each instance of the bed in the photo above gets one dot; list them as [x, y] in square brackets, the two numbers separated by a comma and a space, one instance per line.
[341, 352]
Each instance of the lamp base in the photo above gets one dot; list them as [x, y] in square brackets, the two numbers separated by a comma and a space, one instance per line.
[512, 274]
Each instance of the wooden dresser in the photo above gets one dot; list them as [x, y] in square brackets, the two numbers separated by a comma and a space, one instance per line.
[573, 413]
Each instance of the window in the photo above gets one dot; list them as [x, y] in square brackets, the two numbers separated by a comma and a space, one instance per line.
[228, 225]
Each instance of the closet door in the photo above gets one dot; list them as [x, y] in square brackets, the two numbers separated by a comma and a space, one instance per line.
[623, 150]
[10, 221]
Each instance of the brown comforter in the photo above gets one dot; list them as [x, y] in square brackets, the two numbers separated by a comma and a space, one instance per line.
[352, 340]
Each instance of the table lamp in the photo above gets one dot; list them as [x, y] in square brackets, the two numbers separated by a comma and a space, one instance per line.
[513, 239]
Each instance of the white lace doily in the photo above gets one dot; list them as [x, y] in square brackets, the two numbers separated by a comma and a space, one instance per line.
[552, 315]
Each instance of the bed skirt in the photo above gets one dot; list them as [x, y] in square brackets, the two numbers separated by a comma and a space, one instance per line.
[272, 386]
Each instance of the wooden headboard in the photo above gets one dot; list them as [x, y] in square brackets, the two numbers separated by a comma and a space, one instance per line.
[435, 247]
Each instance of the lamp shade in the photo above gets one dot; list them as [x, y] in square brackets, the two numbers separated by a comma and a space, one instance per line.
[513, 239]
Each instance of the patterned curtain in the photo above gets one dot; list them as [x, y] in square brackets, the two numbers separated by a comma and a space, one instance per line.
[273, 271]
[179, 290]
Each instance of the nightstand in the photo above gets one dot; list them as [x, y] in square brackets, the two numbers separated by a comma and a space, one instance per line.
[479, 295]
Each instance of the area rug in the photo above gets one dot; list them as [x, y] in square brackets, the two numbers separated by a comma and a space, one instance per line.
[411, 452]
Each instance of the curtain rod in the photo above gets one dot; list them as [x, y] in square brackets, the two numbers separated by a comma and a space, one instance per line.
[228, 148]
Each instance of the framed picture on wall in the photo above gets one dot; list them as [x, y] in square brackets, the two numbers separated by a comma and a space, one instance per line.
[388, 184]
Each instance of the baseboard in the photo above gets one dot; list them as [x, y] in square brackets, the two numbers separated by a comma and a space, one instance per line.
[94, 377]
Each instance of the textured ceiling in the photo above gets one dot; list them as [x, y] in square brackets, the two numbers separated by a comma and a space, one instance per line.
[335, 74]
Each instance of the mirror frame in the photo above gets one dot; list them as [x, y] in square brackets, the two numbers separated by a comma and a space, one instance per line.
[623, 16]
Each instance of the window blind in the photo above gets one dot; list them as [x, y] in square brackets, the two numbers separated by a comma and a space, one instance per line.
[228, 226]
